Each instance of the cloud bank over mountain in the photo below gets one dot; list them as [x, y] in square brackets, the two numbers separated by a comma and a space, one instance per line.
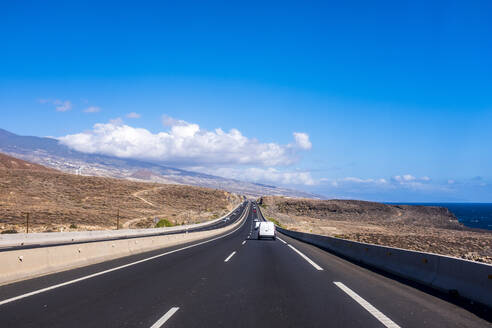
[230, 154]
[189, 145]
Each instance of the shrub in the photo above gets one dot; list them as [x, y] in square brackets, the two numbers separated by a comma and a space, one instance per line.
[9, 231]
[164, 223]
[73, 226]
[340, 236]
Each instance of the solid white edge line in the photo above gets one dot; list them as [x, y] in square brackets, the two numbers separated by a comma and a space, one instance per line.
[165, 317]
[366, 305]
[229, 257]
[282, 240]
[39, 291]
[306, 258]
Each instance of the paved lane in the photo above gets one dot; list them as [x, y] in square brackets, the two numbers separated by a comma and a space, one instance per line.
[234, 281]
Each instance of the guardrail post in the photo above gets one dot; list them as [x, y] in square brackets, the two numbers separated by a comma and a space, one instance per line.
[27, 222]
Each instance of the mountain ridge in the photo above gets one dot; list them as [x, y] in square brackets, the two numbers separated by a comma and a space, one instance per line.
[51, 153]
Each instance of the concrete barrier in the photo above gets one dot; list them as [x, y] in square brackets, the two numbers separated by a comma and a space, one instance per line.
[28, 263]
[468, 279]
[47, 238]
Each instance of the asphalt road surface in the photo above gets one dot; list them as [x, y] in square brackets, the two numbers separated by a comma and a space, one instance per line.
[233, 280]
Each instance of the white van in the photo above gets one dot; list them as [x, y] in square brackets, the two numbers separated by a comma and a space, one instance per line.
[267, 229]
[257, 224]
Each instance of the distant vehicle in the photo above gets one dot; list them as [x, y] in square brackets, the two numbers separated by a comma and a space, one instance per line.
[266, 229]
[254, 211]
[257, 224]
[226, 219]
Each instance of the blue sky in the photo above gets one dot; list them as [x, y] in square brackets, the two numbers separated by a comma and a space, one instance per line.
[394, 97]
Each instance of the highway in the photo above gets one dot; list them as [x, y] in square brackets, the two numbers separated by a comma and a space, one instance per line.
[233, 280]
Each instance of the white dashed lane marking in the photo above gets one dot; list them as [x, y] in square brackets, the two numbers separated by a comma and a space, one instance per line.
[165, 317]
[306, 258]
[229, 257]
[366, 305]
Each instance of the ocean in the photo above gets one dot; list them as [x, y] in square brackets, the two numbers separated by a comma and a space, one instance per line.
[473, 215]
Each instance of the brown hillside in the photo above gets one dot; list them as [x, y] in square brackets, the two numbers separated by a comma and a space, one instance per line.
[422, 228]
[370, 212]
[12, 163]
[58, 200]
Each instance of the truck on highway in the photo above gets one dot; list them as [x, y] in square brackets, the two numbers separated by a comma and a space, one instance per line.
[266, 229]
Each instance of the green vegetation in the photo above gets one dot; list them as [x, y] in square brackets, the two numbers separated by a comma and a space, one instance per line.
[340, 236]
[9, 231]
[73, 226]
[164, 223]
[275, 222]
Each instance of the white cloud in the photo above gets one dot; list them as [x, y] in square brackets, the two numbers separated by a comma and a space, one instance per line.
[133, 115]
[302, 140]
[409, 179]
[116, 121]
[92, 109]
[170, 121]
[184, 143]
[355, 180]
[262, 175]
[62, 105]
[398, 181]
[274, 175]
[405, 184]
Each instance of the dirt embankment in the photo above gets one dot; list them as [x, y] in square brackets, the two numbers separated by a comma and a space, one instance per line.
[58, 201]
[421, 228]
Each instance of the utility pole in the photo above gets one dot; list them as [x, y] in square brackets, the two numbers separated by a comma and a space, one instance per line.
[27, 222]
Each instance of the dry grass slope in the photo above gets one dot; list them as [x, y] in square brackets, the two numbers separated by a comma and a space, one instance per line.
[59, 201]
[12, 163]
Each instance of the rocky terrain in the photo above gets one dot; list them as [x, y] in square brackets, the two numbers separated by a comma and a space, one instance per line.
[59, 201]
[420, 228]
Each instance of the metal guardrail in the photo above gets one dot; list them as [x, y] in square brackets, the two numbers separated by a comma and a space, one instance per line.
[43, 239]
